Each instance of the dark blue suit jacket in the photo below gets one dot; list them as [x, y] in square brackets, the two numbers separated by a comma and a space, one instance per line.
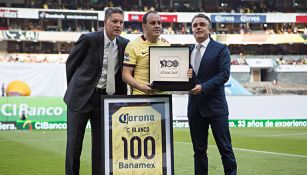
[214, 72]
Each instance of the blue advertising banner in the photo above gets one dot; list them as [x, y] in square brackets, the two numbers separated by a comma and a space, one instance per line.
[238, 18]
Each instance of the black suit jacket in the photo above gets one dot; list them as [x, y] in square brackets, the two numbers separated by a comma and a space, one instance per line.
[214, 72]
[84, 66]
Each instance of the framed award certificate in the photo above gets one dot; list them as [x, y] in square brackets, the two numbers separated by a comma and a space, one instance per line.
[137, 135]
[168, 67]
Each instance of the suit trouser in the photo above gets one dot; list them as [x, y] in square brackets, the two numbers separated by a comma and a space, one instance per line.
[199, 133]
[76, 124]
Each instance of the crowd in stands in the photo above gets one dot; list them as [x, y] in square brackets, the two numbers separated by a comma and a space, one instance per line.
[235, 49]
[282, 61]
[33, 58]
[268, 49]
[38, 47]
[61, 58]
[238, 61]
[230, 6]
[279, 61]
[168, 28]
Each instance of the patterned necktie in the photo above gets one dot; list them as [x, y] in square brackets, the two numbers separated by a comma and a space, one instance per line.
[197, 58]
[110, 87]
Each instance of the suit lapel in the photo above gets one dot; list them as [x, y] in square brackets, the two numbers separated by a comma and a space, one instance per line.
[191, 48]
[120, 51]
[208, 52]
[101, 47]
[190, 52]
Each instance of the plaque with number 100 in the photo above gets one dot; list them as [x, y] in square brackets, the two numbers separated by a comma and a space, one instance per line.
[138, 141]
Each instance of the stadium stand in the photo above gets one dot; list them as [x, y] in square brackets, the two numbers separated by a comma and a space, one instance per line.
[267, 39]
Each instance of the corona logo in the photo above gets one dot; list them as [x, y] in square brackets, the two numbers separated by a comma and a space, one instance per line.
[220, 18]
[123, 118]
[126, 118]
[245, 18]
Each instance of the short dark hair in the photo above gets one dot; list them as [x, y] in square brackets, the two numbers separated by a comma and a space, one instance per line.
[144, 20]
[202, 16]
[109, 11]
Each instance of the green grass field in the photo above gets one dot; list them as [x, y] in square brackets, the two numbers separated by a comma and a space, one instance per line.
[259, 151]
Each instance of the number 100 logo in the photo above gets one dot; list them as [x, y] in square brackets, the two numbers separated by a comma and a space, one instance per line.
[136, 147]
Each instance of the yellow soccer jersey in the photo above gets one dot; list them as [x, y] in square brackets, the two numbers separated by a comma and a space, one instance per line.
[137, 56]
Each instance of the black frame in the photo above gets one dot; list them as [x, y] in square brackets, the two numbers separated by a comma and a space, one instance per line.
[163, 132]
[173, 85]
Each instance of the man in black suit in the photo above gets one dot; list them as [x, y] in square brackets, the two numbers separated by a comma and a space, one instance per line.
[87, 79]
[207, 103]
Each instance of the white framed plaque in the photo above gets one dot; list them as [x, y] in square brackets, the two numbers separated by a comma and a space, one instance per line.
[168, 67]
[137, 135]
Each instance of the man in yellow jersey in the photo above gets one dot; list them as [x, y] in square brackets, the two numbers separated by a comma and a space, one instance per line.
[136, 59]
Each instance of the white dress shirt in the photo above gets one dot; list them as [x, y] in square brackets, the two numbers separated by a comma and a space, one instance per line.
[202, 50]
[114, 52]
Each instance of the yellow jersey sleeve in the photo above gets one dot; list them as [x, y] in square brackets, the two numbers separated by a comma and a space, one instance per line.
[130, 55]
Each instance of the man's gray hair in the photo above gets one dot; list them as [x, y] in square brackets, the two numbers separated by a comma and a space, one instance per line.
[203, 16]
[109, 11]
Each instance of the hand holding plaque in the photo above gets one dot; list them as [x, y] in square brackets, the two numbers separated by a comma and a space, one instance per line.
[168, 67]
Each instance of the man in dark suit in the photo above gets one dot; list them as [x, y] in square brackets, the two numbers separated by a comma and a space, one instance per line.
[207, 104]
[95, 56]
